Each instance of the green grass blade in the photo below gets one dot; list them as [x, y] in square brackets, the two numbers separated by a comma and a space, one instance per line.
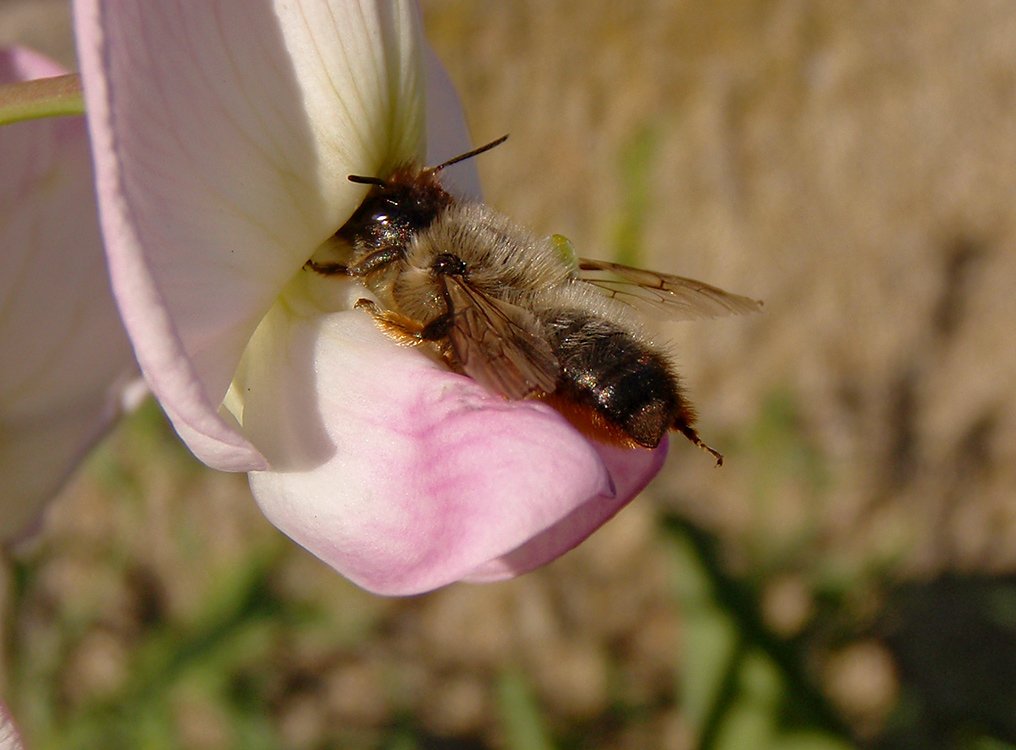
[521, 721]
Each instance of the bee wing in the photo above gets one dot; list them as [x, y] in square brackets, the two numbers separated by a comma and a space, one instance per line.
[678, 297]
[497, 343]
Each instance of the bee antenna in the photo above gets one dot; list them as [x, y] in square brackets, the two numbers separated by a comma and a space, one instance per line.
[469, 154]
[363, 180]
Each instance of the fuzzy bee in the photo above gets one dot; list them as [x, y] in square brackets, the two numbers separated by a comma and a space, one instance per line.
[521, 314]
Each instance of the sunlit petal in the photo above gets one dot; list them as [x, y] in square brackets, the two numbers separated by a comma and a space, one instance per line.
[223, 136]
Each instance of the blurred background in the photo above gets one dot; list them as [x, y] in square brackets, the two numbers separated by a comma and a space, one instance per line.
[846, 579]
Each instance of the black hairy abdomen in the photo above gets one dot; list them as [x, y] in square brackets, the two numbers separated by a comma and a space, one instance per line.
[603, 367]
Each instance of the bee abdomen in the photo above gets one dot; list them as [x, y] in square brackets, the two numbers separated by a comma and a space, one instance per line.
[607, 369]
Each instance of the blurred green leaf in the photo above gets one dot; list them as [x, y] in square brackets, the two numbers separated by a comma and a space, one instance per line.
[989, 743]
[786, 450]
[402, 740]
[520, 715]
[637, 158]
[741, 686]
[710, 636]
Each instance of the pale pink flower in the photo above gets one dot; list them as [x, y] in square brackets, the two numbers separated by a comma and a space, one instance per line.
[223, 134]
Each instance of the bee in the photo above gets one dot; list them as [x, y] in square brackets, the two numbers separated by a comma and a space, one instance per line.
[522, 314]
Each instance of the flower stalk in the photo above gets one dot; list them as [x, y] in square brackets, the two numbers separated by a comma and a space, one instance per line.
[57, 96]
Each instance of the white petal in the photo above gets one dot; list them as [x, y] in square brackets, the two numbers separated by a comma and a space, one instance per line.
[223, 136]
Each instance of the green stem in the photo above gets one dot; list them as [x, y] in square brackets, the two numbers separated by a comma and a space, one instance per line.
[44, 97]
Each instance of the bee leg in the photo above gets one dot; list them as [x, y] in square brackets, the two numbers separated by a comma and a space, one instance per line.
[373, 262]
[327, 269]
[689, 432]
[437, 329]
[399, 327]
[377, 260]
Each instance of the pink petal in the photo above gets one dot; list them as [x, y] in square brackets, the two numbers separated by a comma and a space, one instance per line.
[223, 135]
[405, 477]
[9, 737]
[630, 470]
[24, 64]
[66, 358]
